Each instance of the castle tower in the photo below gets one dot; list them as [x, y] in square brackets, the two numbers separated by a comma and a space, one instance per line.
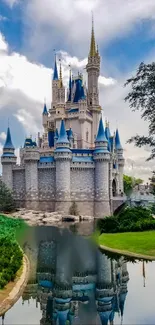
[93, 71]
[31, 158]
[120, 159]
[63, 157]
[101, 157]
[55, 85]
[8, 160]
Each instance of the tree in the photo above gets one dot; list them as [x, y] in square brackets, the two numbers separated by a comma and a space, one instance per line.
[152, 183]
[142, 98]
[6, 199]
[130, 182]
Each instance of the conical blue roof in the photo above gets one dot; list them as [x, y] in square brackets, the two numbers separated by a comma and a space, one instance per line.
[8, 143]
[45, 112]
[56, 135]
[62, 135]
[107, 132]
[117, 141]
[101, 134]
[70, 134]
[55, 74]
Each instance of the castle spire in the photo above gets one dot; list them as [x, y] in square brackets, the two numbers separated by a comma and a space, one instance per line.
[117, 141]
[60, 76]
[45, 112]
[55, 74]
[62, 134]
[92, 51]
[8, 142]
[101, 134]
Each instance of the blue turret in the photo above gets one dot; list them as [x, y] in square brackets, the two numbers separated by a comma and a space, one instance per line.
[8, 143]
[56, 135]
[45, 112]
[118, 145]
[8, 160]
[55, 74]
[108, 135]
[101, 134]
[62, 134]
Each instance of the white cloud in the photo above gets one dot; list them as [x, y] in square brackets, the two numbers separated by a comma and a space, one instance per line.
[3, 44]
[11, 3]
[69, 22]
[2, 135]
[2, 18]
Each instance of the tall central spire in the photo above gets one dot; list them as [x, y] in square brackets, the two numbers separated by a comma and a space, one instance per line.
[92, 51]
[55, 74]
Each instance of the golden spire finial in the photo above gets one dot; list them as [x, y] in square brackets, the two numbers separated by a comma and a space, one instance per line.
[92, 51]
[60, 77]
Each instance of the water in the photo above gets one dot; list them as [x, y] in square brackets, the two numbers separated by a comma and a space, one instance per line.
[72, 280]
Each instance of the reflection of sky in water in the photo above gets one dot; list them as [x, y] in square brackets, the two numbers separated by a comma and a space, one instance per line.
[139, 304]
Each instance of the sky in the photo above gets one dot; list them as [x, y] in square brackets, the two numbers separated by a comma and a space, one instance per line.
[30, 30]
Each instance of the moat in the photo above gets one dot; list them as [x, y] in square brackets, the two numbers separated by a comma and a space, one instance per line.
[72, 282]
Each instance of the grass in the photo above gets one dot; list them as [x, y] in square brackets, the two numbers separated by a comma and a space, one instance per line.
[135, 242]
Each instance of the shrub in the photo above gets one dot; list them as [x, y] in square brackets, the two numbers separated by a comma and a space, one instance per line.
[130, 219]
[73, 210]
[6, 199]
[10, 260]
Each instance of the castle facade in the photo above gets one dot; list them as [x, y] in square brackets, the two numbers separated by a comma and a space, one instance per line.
[76, 159]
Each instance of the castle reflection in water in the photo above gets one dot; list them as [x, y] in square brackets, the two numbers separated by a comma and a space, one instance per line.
[72, 281]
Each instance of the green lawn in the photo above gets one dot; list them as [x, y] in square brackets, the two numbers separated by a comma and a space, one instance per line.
[135, 242]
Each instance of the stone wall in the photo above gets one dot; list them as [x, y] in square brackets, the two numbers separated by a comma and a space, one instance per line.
[46, 184]
[82, 184]
[19, 184]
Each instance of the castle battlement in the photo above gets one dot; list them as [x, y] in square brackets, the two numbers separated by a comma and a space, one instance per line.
[75, 159]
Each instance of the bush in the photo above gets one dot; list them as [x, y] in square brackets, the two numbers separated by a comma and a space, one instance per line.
[130, 219]
[73, 210]
[10, 260]
[6, 199]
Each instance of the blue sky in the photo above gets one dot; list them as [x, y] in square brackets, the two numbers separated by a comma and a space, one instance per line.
[31, 29]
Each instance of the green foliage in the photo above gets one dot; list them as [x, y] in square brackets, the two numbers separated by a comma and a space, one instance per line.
[141, 97]
[10, 260]
[152, 183]
[73, 210]
[10, 227]
[6, 199]
[130, 182]
[129, 220]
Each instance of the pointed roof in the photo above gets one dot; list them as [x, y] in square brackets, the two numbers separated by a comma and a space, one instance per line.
[45, 112]
[92, 51]
[101, 134]
[107, 130]
[62, 134]
[56, 136]
[117, 141]
[55, 74]
[70, 134]
[8, 143]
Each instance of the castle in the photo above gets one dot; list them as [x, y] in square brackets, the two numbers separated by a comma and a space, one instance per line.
[76, 159]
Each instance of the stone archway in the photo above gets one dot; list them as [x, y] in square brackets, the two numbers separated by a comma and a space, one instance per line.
[114, 188]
